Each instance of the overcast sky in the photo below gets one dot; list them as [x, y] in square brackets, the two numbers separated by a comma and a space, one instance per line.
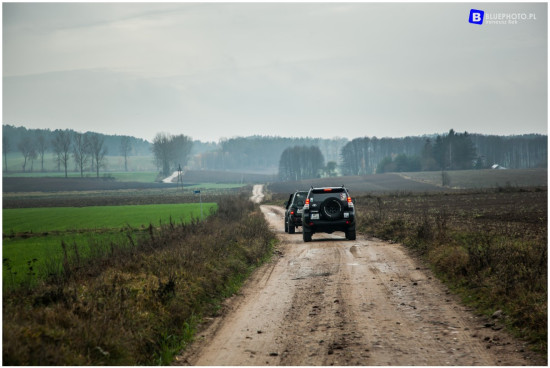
[213, 70]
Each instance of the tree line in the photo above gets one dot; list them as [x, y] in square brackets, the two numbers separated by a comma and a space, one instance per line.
[360, 156]
[83, 148]
[262, 152]
[88, 151]
[451, 151]
[139, 147]
[515, 152]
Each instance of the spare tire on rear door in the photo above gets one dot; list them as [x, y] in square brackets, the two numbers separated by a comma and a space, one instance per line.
[331, 208]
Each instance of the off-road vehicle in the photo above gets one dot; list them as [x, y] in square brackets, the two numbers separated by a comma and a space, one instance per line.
[326, 210]
[293, 212]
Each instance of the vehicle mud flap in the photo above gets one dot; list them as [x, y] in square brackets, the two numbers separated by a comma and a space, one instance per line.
[306, 235]
[291, 229]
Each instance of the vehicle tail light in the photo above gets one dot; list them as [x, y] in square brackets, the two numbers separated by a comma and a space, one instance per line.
[306, 205]
[292, 212]
[327, 190]
[350, 202]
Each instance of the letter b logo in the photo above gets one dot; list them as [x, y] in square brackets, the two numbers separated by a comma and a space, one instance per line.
[476, 16]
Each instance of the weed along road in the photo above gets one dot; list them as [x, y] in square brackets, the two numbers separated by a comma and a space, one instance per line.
[338, 302]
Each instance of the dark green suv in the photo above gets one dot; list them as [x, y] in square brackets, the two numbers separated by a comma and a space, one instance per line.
[293, 211]
[327, 210]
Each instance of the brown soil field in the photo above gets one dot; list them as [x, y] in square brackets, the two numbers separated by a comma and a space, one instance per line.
[102, 200]
[367, 183]
[11, 185]
[480, 210]
[225, 177]
[425, 181]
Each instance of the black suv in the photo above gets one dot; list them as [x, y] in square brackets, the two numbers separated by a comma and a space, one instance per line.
[327, 210]
[293, 212]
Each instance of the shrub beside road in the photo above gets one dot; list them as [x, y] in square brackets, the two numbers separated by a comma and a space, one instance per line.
[489, 246]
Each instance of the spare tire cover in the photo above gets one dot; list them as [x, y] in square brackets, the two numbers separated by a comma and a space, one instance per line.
[331, 208]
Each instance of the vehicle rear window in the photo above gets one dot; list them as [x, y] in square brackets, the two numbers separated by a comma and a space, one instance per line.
[319, 195]
[300, 198]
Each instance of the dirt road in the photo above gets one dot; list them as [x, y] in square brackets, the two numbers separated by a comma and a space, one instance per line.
[338, 302]
[257, 193]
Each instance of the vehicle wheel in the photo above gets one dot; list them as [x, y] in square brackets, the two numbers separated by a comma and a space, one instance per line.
[291, 229]
[307, 236]
[331, 208]
[286, 226]
[350, 234]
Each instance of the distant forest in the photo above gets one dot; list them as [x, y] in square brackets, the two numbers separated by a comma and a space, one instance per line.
[443, 152]
[359, 156]
[258, 153]
[364, 155]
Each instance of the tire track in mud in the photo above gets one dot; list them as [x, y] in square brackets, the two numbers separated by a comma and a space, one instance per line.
[316, 304]
[338, 302]
[408, 319]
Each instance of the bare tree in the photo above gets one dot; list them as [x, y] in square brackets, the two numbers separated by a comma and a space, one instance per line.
[80, 151]
[62, 146]
[6, 147]
[26, 146]
[171, 151]
[181, 148]
[125, 148]
[41, 147]
[98, 150]
[161, 152]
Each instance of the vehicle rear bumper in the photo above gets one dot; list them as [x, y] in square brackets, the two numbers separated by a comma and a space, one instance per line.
[329, 226]
[297, 221]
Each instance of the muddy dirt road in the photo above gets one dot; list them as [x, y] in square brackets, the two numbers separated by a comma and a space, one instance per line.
[339, 302]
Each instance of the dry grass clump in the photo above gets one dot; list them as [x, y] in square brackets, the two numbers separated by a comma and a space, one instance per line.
[139, 303]
[490, 246]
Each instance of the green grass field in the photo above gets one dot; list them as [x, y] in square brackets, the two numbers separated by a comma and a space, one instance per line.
[39, 220]
[36, 233]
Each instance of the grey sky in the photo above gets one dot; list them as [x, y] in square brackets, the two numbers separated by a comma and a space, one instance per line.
[211, 70]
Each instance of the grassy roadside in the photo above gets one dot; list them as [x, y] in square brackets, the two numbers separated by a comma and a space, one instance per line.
[489, 246]
[138, 305]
